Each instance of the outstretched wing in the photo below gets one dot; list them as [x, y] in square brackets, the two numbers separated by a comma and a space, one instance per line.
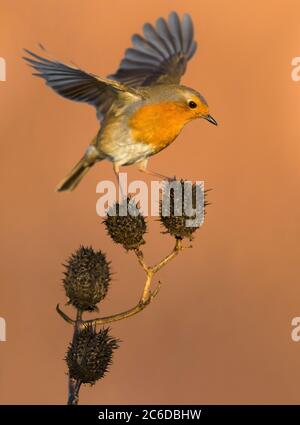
[161, 55]
[76, 84]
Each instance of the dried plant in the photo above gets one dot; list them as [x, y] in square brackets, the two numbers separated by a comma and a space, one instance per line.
[87, 279]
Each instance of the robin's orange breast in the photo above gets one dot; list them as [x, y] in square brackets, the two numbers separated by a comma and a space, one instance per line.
[158, 124]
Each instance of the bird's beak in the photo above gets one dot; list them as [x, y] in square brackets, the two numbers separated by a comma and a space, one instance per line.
[210, 119]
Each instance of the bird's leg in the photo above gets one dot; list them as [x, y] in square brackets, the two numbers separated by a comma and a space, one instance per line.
[143, 168]
[117, 171]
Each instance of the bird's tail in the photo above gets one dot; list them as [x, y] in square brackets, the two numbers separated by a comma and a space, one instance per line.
[74, 177]
[72, 180]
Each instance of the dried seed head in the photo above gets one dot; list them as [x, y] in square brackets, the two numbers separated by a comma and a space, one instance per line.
[125, 224]
[182, 208]
[90, 354]
[87, 278]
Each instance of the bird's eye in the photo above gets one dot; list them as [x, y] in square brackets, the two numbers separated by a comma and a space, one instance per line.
[192, 104]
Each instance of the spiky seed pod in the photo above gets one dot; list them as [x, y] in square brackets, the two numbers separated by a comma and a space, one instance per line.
[87, 278]
[90, 354]
[177, 196]
[125, 224]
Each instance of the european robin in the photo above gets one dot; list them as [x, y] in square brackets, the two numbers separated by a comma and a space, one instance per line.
[142, 107]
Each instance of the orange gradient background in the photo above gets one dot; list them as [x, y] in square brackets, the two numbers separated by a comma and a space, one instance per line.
[220, 329]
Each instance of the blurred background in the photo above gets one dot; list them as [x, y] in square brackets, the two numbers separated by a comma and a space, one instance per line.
[220, 329]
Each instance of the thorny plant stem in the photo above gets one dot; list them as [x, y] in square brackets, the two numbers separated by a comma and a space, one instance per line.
[74, 384]
[145, 299]
[150, 271]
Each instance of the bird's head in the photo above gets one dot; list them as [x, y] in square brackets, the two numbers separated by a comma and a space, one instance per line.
[193, 104]
[167, 109]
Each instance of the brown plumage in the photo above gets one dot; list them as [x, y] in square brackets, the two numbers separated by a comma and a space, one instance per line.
[142, 107]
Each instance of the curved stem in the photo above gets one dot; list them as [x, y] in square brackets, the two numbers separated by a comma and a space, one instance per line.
[125, 314]
[146, 297]
[178, 247]
[64, 315]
